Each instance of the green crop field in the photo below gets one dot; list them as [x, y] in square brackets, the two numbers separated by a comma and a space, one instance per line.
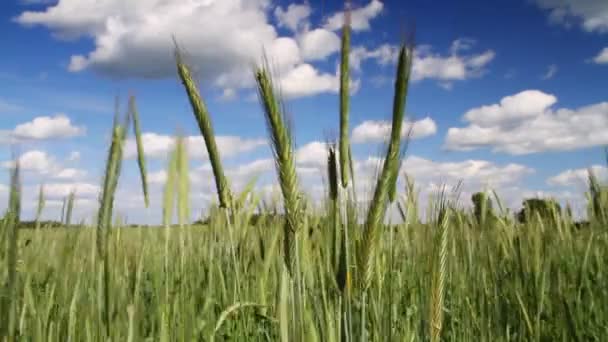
[285, 271]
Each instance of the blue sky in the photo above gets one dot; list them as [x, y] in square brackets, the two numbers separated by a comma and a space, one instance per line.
[505, 94]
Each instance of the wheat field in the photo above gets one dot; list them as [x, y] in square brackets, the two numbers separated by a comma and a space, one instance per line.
[340, 273]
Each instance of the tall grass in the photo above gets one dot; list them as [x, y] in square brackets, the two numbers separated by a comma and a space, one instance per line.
[8, 302]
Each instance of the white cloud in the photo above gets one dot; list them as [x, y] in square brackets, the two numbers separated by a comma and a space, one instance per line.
[377, 131]
[42, 163]
[158, 145]
[294, 17]
[429, 65]
[449, 68]
[384, 54]
[578, 176]
[36, 161]
[526, 104]
[47, 127]
[591, 14]
[602, 57]
[312, 154]
[525, 123]
[157, 177]
[134, 39]
[318, 44]
[305, 80]
[474, 173]
[74, 156]
[551, 71]
[70, 173]
[256, 167]
[61, 190]
[360, 17]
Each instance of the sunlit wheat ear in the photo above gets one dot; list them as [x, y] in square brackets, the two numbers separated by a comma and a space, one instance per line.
[344, 98]
[141, 158]
[284, 157]
[110, 183]
[386, 178]
[439, 276]
[204, 123]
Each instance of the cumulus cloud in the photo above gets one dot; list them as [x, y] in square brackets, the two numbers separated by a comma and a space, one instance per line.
[526, 123]
[578, 176]
[384, 54]
[602, 57]
[473, 173]
[305, 80]
[61, 190]
[134, 39]
[70, 173]
[48, 127]
[360, 17]
[42, 163]
[592, 15]
[312, 154]
[455, 66]
[294, 17]
[158, 145]
[318, 44]
[378, 131]
[36, 161]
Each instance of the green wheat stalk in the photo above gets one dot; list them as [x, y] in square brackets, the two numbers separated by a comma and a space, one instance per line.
[377, 209]
[104, 216]
[110, 183]
[344, 97]
[11, 224]
[439, 276]
[141, 159]
[284, 158]
[204, 122]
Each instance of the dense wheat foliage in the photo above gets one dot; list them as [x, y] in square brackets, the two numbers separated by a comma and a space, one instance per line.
[504, 282]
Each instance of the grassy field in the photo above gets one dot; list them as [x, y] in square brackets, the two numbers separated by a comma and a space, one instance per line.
[229, 282]
[338, 274]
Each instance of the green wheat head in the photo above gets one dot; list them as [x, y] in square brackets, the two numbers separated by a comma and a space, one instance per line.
[284, 157]
[141, 158]
[344, 98]
[387, 176]
[204, 122]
